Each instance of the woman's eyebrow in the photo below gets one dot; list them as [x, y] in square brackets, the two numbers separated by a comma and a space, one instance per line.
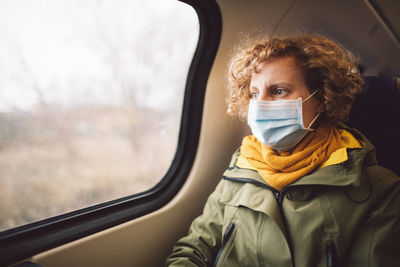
[279, 84]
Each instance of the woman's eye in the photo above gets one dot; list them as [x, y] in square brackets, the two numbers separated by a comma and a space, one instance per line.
[279, 91]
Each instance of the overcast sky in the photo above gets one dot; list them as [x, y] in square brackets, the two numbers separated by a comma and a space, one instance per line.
[85, 51]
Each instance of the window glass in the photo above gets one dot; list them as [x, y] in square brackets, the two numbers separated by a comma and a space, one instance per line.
[91, 94]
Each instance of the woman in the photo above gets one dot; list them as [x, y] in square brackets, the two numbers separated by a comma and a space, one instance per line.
[303, 189]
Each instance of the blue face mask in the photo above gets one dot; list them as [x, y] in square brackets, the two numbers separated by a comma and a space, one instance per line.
[278, 124]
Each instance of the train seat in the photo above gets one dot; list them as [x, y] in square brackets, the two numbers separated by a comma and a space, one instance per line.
[376, 113]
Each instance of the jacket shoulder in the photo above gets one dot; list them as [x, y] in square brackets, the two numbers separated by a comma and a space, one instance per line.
[382, 176]
[234, 158]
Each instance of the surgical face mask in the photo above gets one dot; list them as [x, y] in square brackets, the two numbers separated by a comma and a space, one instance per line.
[278, 124]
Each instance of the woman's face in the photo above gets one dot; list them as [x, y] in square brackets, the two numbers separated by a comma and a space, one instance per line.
[281, 79]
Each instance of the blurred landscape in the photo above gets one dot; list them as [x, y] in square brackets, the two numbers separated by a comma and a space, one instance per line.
[58, 160]
[91, 93]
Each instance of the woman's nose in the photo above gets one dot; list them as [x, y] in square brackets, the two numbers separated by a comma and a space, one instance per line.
[264, 96]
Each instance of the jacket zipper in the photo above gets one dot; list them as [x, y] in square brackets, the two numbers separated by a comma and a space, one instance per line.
[225, 239]
[331, 255]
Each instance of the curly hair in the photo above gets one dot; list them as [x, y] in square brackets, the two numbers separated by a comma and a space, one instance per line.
[325, 66]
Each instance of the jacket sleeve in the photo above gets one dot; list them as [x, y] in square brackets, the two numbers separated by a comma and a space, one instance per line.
[200, 246]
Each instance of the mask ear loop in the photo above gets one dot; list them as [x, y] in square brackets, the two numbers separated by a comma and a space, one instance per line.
[310, 96]
[316, 117]
[311, 123]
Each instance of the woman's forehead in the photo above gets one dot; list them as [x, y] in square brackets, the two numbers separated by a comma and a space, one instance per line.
[278, 68]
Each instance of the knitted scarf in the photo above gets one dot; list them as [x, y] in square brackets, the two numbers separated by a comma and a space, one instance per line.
[282, 168]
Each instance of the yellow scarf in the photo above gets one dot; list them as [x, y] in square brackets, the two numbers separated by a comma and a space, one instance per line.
[282, 168]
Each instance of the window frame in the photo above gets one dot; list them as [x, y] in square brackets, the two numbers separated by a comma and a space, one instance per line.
[22, 242]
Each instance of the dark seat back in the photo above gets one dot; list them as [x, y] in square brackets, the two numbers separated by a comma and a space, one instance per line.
[376, 113]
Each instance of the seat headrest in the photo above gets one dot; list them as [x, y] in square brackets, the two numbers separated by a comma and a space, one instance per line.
[376, 113]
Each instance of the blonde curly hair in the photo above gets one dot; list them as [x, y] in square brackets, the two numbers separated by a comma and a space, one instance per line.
[325, 66]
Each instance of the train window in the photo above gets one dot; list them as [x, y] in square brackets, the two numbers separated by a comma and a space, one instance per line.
[91, 95]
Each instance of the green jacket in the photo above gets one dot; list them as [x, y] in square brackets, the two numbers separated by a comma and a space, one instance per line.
[340, 215]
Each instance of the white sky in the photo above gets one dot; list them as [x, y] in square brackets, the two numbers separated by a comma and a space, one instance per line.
[84, 51]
